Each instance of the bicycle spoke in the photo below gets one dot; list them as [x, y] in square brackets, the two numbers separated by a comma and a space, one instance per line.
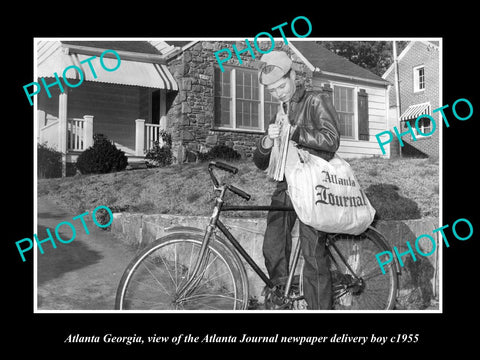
[144, 283]
[354, 256]
[216, 277]
[197, 296]
[156, 265]
[211, 262]
[206, 268]
[166, 268]
[156, 279]
[372, 274]
[153, 283]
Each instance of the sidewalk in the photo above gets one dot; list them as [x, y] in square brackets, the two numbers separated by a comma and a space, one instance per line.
[83, 274]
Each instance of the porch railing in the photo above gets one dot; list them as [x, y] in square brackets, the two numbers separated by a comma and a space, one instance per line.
[145, 136]
[152, 134]
[76, 134]
[79, 134]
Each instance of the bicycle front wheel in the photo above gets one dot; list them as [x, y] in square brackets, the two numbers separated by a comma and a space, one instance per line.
[154, 277]
[358, 281]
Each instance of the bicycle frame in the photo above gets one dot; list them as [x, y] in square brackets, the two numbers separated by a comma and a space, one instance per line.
[215, 223]
[225, 255]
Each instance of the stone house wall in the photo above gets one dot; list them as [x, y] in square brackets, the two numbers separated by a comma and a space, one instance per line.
[190, 118]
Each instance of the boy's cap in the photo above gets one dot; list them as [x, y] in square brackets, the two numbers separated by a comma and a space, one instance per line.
[275, 65]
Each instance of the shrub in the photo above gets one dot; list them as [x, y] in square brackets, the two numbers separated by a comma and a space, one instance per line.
[103, 157]
[219, 152]
[49, 162]
[103, 217]
[161, 152]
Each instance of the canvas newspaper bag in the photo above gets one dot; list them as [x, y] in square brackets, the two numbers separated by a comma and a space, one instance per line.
[326, 194]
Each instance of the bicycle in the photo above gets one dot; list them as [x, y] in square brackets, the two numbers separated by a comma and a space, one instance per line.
[191, 269]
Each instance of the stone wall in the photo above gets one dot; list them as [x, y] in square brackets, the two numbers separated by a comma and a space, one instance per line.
[418, 282]
[191, 114]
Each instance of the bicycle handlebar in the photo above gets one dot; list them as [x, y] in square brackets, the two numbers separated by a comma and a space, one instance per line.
[224, 166]
[239, 192]
[229, 168]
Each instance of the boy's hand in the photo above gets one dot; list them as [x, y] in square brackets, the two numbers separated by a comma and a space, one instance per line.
[274, 131]
[272, 134]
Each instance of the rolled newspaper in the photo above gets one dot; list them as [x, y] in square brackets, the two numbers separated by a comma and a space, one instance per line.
[278, 155]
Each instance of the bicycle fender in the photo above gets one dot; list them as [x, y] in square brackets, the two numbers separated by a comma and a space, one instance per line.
[379, 234]
[177, 228]
[198, 231]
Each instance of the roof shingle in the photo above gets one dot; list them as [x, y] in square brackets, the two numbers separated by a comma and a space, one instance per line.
[326, 60]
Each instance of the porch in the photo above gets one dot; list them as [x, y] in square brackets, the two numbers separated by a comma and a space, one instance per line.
[128, 105]
[72, 136]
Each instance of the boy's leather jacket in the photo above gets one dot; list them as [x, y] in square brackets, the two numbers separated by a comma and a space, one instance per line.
[316, 126]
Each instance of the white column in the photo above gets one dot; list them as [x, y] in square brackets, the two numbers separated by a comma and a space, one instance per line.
[88, 131]
[139, 137]
[62, 130]
[163, 110]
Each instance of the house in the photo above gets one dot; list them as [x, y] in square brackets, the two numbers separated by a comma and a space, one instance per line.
[177, 86]
[360, 98]
[230, 107]
[419, 93]
[127, 105]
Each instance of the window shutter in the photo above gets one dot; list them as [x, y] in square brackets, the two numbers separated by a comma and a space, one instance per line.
[363, 133]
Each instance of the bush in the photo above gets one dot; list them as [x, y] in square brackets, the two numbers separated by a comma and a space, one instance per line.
[103, 217]
[219, 152]
[161, 153]
[103, 157]
[49, 162]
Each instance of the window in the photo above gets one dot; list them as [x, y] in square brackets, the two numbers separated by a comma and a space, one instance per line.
[240, 101]
[270, 107]
[424, 126]
[418, 78]
[343, 100]
[222, 97]
[247, 100]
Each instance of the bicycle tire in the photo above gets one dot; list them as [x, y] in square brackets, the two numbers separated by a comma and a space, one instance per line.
[151, 280]
[378, 290]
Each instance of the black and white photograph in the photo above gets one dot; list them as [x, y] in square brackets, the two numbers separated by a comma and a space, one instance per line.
[133, 134]
[277, 185]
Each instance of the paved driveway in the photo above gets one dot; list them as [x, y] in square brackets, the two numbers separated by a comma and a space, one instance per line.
[83, 274]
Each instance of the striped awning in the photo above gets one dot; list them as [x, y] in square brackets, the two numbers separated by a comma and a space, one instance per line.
[415, 111]
[53, 59]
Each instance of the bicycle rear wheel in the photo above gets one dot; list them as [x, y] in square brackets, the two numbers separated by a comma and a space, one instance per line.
[358, 282]
[153, 278]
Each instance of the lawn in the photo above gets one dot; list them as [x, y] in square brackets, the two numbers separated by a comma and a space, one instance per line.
[397, 188]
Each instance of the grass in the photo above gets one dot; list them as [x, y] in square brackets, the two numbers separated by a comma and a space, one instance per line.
[417, 181]
[187, 190]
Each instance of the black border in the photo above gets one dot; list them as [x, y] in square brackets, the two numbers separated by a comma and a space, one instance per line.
[45, 333]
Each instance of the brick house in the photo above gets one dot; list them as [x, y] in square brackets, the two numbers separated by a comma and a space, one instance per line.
[418, 72]
[214, 107]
